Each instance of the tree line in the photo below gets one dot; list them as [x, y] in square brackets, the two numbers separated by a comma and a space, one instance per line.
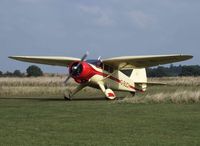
[174, 71]
[31, 71]
[160, 71]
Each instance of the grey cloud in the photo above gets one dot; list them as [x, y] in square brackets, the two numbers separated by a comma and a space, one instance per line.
[100, 16]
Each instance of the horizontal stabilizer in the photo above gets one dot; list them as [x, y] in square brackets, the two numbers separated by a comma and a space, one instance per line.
[151, 83]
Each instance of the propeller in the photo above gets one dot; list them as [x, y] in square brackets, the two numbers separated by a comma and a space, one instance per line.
[74, 69]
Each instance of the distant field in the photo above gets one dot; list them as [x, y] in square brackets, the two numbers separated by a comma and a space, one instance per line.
[40, 86]
[178, 90]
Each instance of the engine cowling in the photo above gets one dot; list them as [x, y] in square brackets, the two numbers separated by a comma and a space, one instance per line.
[81, 71]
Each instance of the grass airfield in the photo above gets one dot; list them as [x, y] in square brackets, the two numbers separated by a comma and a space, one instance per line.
[91, 120]
[51, 121]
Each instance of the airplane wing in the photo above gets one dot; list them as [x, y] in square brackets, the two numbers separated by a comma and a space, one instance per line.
[50, 60]
[144, 61]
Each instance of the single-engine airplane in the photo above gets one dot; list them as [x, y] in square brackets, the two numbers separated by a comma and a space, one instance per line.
[125, 73]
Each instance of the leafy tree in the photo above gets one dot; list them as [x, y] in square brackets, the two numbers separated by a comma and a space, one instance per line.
[34, 71]
[172, 71]
[193, 70]
[17, 73]
[8, 74]
[1, 73]
[158, 72]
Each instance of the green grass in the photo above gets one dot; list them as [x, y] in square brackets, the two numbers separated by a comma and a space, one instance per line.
[52, 121]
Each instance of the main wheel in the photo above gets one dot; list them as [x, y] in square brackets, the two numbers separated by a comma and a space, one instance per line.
[110, 94]
[67, 95]
[67, 98]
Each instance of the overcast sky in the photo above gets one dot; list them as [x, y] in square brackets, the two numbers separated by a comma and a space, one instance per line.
[105, 28]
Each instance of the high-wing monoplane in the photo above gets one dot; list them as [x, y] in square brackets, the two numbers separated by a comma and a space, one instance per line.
[125, 73]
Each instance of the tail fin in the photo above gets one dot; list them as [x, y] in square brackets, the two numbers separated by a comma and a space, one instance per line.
[139, 76]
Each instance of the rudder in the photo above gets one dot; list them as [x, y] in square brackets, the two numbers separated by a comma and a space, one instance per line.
[139, 77]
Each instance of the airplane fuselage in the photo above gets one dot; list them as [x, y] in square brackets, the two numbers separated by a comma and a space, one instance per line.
[115, 80]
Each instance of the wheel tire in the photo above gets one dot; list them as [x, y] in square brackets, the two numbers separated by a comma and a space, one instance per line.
[67, 96]
[133, 94]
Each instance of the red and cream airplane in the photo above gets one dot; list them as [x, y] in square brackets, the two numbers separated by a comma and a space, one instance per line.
[125, 73]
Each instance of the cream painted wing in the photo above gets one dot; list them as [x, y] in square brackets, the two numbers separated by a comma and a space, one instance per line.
[144, 61]
[50, 60]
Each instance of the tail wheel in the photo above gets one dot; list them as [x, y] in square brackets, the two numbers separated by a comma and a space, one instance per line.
[132, 93]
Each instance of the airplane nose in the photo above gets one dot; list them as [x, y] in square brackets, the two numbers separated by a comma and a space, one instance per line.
[76, 69]
[81, 72]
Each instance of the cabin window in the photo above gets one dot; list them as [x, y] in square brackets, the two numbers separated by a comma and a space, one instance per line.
[127, 72]
[108, 68]
[100, 64]
[97, 63]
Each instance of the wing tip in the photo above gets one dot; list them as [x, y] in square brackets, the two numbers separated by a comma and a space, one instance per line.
[186, 56]
[11, 57]
[14, 57]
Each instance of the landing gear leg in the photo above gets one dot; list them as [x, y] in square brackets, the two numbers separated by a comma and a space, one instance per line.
[69, 93]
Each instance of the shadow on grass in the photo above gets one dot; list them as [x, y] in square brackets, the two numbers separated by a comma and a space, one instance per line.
[58, 98]
[54, 99]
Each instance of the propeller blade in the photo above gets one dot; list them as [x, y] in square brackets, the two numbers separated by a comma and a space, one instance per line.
[99, 58]
[84, 56]
[83, 59]
[68, 78]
